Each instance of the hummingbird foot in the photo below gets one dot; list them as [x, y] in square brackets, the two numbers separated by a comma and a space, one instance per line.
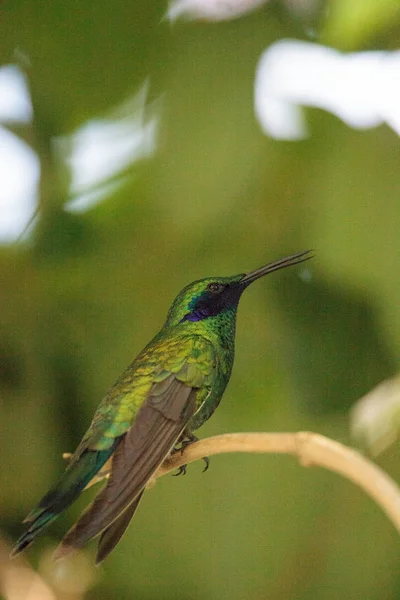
[207, 461]
[186, 440]
[181, 471]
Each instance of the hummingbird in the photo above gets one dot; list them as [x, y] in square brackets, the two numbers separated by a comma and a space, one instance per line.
[171, 388]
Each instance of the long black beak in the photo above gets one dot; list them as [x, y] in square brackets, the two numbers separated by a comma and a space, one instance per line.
[294, 259]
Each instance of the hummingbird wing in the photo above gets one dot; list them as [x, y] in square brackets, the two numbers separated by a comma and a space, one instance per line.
[173, 399]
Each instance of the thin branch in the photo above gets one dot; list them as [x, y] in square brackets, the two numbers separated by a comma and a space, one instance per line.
[310, 449]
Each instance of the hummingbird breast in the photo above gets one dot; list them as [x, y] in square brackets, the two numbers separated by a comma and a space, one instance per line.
[223, 369]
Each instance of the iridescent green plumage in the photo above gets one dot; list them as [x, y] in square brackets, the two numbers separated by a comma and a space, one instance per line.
[167, 392]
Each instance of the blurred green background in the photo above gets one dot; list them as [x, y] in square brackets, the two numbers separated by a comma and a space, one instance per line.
[84, 291]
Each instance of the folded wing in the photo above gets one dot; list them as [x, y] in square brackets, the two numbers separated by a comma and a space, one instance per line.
[158, 425]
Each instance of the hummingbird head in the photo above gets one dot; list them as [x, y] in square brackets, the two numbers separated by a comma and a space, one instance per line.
[207, 298]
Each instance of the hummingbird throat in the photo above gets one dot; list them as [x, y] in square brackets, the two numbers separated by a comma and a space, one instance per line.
[208, 304]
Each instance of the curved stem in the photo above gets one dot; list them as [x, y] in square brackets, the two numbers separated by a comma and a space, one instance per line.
[310, 449]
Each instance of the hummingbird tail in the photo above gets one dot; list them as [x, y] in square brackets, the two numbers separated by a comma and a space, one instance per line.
[75, 478]
[112, 535]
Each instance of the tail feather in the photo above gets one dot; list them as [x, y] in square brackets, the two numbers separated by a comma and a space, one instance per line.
[112, 535]
[75, 478]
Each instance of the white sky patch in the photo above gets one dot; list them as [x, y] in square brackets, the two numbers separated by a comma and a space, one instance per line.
[15, 103]
[19, 166]
[103, 148]
[210, 10]
[362, 89]
[96, 152]
[19, 176]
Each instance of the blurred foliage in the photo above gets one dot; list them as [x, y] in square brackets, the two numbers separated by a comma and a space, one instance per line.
[375, 418]
[352, 24]
[83, 293]
[342, 321]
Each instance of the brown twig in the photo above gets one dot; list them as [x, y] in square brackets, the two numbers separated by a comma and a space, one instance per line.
[310, 449]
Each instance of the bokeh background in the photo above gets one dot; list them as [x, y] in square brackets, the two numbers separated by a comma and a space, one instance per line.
[199, 189]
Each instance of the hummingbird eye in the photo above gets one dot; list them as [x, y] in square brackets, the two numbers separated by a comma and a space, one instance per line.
[215, 287]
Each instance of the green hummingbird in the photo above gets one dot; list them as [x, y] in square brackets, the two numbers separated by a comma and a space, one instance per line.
[171, 388]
